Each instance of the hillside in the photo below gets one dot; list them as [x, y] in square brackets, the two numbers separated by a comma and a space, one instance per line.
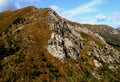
[38, 45]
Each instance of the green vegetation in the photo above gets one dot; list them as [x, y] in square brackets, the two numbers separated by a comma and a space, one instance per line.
[115, 46]
[69, 73]
[18, 20]
[20, 58]
[2, 50]
[108, 74]
[91, 37]
[26, 60]
[10, 77]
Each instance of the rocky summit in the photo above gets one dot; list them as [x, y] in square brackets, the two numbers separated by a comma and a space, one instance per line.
[38, 45]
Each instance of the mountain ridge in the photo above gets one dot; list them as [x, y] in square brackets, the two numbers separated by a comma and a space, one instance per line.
[36, 44]
[118, 28]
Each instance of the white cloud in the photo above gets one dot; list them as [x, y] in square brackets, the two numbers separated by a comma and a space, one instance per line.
[8, 5]
[2, 3]
[85, 20]
[115, 16]
[100, 18]
[56, 8]
[15, 4]
[28, 1]
[86, 8]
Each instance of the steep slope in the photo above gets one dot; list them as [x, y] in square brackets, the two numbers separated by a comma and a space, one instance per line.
[37, 45]
[111, 35]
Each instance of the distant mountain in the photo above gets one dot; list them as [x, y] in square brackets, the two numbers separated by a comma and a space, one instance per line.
[38, 45]
[110, 35]
[118, 28]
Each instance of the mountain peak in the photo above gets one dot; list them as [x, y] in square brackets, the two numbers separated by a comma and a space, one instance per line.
[36, 44]
[28, 7]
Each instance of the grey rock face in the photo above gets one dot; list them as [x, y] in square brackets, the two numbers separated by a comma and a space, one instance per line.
[56, 48]
[60, 46]
[66, 40]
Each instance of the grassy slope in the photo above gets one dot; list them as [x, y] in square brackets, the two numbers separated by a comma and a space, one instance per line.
[32, 62]
[104, 31]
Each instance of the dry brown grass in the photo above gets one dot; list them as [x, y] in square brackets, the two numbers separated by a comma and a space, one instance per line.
[36, 57]
[33, 62]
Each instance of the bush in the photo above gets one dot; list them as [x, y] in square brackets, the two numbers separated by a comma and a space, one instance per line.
[2, 50]
[0, 34]
[51, 70]
[18, 20]
[44, 81]
[19, 59]
[35, 73]
[69, 73]
[44, 59]
[10, 77]
[51, 77]
[49, 65]
[56, 70]
[1, 67]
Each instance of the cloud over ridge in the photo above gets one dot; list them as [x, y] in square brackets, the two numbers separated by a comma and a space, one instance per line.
[86, 8]
[15, 4]
[100, 17]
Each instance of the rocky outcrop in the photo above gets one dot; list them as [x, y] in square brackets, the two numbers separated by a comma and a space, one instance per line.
[32, 34]
[72, 40]
[66, 40]
[97, 63]
[60, 46]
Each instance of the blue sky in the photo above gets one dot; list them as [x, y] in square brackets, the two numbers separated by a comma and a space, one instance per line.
[82, 11]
